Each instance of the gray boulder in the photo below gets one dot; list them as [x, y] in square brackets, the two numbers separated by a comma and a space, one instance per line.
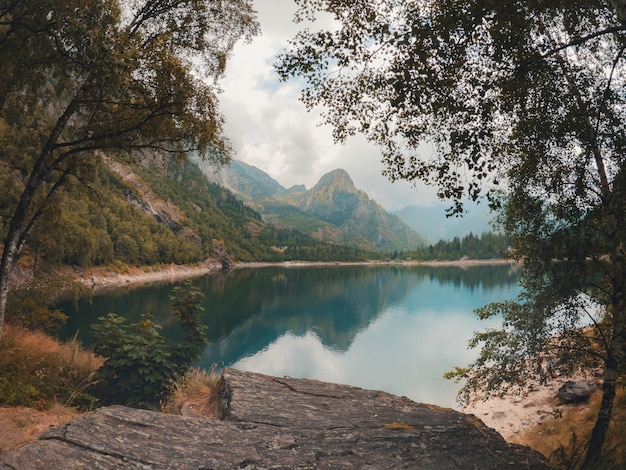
[576, 391]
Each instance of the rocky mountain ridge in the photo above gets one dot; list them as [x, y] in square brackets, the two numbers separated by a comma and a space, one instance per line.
[333, 211]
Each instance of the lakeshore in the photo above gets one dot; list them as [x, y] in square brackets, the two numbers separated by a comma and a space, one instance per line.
[267, 422]
[515, 415]
[511, 416]
[100, 279]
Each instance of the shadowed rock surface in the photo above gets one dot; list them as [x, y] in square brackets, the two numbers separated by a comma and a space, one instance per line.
[271, 422]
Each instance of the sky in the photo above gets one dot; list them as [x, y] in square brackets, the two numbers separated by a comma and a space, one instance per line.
[271, 129]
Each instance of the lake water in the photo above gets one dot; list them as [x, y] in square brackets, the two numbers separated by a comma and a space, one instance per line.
[391, 328]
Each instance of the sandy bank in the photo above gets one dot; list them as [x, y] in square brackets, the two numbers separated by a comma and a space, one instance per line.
[463, 262]
[514, 415]
[99, 279]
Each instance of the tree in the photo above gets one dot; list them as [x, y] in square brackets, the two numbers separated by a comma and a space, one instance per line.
[187, 304]
[78, 79]
[522, 103]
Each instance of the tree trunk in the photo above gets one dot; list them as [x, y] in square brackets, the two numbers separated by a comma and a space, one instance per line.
[614, 357]
[604, 415]
[19, 228]
[9, 255]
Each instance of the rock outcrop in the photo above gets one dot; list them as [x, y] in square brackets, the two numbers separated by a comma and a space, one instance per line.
[270, 422]
[576, 391]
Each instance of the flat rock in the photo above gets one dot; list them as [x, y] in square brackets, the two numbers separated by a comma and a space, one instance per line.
[270, 422]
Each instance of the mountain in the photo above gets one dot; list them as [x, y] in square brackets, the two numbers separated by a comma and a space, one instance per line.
[333, 211]
[135, 212]
[432, 221]
[334, 198]
[245, 180]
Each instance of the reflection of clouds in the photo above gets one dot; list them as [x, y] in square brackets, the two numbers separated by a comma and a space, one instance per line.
[295, 356]
[405, 352]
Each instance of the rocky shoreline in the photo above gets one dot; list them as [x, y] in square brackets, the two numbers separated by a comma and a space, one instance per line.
[268, 422]
[101, 279]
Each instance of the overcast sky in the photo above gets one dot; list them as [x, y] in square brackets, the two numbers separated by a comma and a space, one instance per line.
[271, 129]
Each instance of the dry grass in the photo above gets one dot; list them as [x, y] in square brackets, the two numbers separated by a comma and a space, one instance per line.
[550, 436]
[40, 378]
[21, 425]
[39, 371]
[196, 394]
[38, 345]
[43, 381]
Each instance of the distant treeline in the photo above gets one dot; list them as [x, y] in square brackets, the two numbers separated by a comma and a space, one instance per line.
[488, 246]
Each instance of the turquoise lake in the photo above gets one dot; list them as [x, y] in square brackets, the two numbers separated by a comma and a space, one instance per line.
[391, 328]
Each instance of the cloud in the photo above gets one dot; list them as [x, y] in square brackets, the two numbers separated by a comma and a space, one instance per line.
[271, 129]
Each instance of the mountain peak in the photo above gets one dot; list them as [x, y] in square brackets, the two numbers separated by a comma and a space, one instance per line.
[338, 179]
[334, 210]
[248, 181]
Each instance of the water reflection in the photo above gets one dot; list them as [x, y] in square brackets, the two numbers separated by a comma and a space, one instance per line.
[391, 328]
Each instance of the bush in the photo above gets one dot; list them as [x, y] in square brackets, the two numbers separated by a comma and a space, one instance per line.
[29, 304]
[141, 367]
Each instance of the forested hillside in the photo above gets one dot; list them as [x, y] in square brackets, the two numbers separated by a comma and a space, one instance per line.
[150, 209]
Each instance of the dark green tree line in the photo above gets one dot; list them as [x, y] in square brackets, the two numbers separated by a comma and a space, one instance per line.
[487, 246]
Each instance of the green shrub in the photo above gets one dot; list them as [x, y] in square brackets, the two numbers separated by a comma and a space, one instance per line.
[188, 309]
[141, 367]
[29, 305]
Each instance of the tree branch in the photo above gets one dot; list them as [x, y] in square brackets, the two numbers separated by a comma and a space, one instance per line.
[575, 42]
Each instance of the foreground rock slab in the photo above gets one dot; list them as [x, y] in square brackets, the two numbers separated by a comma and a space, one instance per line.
[270, 422]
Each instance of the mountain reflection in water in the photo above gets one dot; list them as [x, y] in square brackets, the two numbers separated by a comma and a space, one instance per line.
[391, 328]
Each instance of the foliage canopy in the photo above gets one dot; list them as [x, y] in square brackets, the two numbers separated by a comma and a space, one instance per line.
[522, 102]
[102, 76]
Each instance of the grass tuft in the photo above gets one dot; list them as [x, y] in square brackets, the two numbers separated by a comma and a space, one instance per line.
[399, 425]
[198, 392]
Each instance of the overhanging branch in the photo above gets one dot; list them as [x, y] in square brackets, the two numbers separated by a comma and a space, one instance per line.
[575, 42]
